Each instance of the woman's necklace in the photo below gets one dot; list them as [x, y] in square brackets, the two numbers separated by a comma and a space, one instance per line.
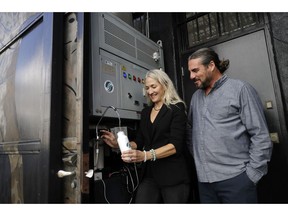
[156, 109]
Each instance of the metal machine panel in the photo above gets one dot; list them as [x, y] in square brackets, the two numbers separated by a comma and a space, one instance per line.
[121, 56]
[119, 38]
[131, 83]
[109, 87]
[121, 86]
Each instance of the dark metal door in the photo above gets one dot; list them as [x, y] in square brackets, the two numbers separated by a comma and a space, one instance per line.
[30, 128]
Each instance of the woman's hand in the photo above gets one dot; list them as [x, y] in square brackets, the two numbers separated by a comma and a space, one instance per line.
[133, 156]
[109, 138]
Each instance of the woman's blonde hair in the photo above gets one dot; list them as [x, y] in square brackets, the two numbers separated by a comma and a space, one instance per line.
[170, 94]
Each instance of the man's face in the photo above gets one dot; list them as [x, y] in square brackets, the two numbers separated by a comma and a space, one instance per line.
[200, 74]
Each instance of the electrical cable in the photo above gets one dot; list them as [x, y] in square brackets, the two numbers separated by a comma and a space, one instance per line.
[119, 119]
[127, 169]
[96, 147]
[96, 159]
[96, 150]
[132, 181]
[127, 182]
[104, 191]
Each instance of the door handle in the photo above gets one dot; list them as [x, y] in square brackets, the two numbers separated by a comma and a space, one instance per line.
[62, 173]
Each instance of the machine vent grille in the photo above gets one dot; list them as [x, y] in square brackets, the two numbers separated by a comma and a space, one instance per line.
[124, 41]
[118, 32]
[119, 45]
[146, 58]
[144, 48]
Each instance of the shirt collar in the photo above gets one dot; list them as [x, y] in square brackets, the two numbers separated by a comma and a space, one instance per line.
[220, 82]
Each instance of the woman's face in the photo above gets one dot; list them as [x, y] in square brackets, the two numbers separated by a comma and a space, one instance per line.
[154, 90]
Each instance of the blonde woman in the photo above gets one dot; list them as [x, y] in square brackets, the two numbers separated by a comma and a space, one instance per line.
[159, 144]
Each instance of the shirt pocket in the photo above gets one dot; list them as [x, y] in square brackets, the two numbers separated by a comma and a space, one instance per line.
[222, 109]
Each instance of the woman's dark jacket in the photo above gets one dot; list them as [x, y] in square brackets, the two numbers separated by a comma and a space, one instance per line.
[168, 127]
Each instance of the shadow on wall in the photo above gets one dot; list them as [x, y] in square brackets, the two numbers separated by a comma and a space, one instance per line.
[273, 188]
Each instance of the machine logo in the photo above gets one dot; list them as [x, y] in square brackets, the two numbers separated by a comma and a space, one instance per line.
[109, 86]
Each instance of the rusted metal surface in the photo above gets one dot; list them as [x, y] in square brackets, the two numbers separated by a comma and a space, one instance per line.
[73, 108]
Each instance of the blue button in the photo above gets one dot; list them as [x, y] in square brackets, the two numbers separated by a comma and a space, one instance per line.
[124, 75]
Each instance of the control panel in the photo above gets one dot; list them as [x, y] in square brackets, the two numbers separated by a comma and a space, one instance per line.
[121, 85]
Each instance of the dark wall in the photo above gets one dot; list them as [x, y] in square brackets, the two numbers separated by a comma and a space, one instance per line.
[276, 182]
[279, 31]
[161, 28]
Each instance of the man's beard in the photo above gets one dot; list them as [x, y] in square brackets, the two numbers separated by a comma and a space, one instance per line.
[204, 84]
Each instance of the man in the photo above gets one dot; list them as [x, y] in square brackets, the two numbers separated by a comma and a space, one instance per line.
[228, 137]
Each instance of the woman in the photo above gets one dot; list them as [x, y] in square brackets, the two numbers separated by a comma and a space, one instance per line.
[159, 144]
